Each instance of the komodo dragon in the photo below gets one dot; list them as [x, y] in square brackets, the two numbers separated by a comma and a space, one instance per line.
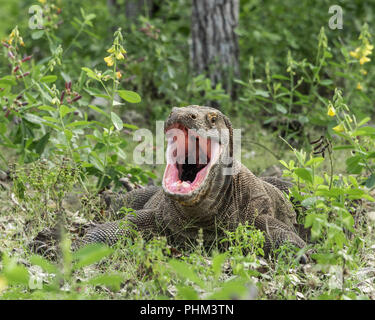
[201, 195]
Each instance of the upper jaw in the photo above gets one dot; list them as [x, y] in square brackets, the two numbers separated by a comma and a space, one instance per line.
[190, 160]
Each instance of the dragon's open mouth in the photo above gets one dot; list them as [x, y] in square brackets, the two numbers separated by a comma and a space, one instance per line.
[189, 159]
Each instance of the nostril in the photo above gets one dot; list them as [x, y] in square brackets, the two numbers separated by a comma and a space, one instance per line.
[193, 116]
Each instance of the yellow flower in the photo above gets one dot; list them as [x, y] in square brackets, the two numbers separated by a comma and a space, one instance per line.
[331, 111]
[42, 1]
[366, 52]
[355, 53]
[109, 61]
[111, 49]
[368, 49]
[363, 71]
[118, 75]
[359, 86]
[119, 56]
[364, 60]
[339, 128]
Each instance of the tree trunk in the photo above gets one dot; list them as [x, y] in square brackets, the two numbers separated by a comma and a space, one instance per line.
[214, 42]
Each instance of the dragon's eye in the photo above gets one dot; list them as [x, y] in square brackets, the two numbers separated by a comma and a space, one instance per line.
[212, 117]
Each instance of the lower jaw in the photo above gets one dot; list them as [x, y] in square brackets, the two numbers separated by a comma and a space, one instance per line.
[173, 184]
[183, 197]
[186, 200]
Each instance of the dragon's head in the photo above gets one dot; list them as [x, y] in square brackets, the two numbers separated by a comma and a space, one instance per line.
[200, 139]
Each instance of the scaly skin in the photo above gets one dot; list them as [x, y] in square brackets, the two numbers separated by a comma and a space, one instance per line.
[220, 203]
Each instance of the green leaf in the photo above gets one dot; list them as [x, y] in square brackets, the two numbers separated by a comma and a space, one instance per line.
[304, 174]
[129, 96]
[50, 119]
[97, 93]
[314, 161]
[64, 110]
[370, 182]
[353, 164]
[68, 134]
[117, 122]
[347, 220]
[340, 239]
[187, 293]
[42, 143]
[217, 263]
[33, 118]
[97, 109]
[343, 147]
[15, 273]
[333, 192]
[130, 126]
[90, 73]
[49, 124]
[37, 34]
[8, 81]
[48, 79]
[262, 93]
[96, 161]
[44, 264]
[47, 108]
[279, 77]
[121, 153]
[185, 271]
[86, 165]
[234, 289]
[308, 202]
[65, 76]
[284, 164]
[3, 128]
[364, 131]
[326, 82]
[363, 121]
[77, 124]
[90, 254]
[281, 108]
[111, 280]
[90, 16]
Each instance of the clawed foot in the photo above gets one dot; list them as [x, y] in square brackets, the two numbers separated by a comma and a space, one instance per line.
[45, 243]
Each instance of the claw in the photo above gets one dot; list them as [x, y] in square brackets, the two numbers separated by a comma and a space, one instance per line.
[303, 259]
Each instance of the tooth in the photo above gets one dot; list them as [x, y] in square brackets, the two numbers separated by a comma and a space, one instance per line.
[185, 184]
